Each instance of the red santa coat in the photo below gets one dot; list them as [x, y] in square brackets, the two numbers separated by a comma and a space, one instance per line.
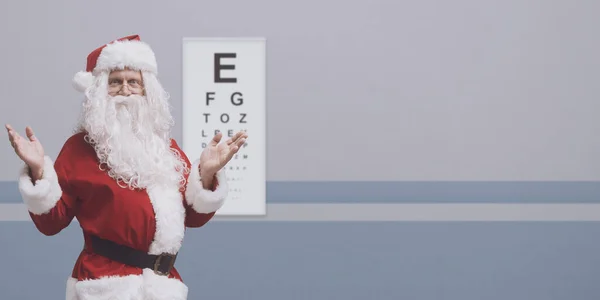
[151, 220]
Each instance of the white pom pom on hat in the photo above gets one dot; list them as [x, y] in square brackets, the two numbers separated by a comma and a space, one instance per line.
[126, 52]
[83, 80]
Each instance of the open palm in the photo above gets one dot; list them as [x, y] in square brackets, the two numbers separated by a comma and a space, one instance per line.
[216, 155]
[28, 149]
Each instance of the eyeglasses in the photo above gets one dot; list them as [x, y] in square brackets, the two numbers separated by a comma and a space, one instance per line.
[117, 84]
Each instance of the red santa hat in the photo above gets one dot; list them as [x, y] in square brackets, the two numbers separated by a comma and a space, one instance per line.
[126, 52]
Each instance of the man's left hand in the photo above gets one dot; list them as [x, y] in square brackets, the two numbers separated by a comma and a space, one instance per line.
[216, 155]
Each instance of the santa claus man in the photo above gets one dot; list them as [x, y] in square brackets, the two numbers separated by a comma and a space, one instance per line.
[130, 186]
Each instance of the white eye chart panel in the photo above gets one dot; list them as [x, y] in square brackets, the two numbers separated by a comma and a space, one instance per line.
[224, 90]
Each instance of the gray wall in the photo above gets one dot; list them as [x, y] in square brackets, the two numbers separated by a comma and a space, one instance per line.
[357, 90]
[349, 261]
[380, 92]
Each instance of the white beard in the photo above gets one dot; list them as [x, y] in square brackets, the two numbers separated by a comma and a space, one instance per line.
[132, 142]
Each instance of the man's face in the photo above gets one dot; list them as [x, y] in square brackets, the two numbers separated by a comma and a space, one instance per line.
[125, 83]
[129, 123]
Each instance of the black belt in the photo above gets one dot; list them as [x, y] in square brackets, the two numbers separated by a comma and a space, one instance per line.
[161, 264]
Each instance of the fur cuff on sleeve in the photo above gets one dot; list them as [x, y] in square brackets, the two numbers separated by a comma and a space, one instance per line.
[203, 200]
[42, 196]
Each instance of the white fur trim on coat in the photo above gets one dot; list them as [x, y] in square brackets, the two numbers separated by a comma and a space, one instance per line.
[169, 212]
[83, 80]
[147, 286]
[132, 54]
[201, 199]
[42, 196]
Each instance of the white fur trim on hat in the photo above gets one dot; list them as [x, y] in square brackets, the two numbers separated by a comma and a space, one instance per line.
[83, 80]
[131, 54]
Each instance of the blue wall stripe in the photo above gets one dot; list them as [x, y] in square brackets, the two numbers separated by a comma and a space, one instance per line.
[390, 212]
[410, 192]
[287, 260]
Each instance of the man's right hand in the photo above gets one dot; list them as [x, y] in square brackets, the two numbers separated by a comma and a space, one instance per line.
[29, 150]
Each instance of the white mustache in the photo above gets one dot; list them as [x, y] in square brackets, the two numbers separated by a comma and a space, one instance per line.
[125, 99]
